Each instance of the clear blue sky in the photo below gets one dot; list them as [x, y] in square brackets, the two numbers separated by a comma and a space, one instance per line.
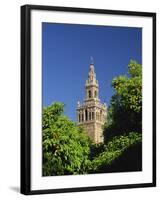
[66, 52]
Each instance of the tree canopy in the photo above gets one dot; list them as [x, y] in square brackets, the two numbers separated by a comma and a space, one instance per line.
[113, 150]
[66, 147]
[125, 110]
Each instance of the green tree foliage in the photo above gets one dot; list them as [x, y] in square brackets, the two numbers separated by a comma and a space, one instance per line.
[66, 148]
[113, 150]
[125, 111]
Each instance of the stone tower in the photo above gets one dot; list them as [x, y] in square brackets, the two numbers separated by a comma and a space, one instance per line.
[91, 114]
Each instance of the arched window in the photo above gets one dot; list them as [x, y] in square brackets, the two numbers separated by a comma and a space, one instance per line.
[89, 115]
[101, 115]
[79, 118]
[95, 94]
[82, 117]
[92, 115]
[86, 115]
[89, 94]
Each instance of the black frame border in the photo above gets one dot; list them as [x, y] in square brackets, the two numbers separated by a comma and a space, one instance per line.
[25, 182]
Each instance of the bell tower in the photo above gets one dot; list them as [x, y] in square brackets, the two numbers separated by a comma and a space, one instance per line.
[92, 87]
[91, 114]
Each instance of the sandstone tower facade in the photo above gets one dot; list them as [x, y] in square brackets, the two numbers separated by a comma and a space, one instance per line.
[91, 114]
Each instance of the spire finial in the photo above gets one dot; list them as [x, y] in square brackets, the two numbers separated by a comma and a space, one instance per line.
[92, 61]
